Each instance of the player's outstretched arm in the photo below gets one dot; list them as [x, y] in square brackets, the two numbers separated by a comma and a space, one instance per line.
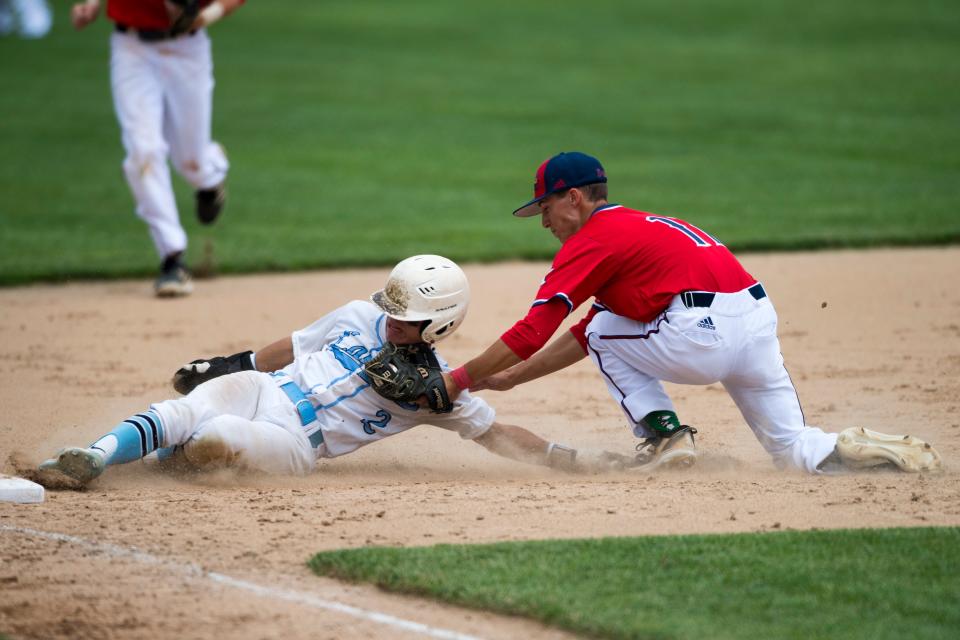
[559, 354]
[522, 445]
[515, 443]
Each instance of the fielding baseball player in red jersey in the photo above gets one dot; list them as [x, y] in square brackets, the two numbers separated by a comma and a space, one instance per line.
[161, 74]
[671, 303]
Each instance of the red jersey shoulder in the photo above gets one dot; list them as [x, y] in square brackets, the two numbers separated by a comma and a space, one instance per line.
[578, 258]
[617, 222]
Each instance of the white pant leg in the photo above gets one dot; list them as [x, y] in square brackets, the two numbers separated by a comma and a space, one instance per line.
[741, 351]
[637, 392]
[260, 446]
[187, 77]
[633, 357]
[763, 391]
[35, 18]
[139, 102]
[251, 414]
[8, 21]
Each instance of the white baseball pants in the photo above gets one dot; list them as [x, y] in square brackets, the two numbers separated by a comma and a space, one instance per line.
[163, 96]
[250, 415]
[734, 341]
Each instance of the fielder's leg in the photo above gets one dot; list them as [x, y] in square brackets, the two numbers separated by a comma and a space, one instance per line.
[189, 90]
[35, 18]
[136, 78]
[763, 391]
[632, 357]
[139, 103]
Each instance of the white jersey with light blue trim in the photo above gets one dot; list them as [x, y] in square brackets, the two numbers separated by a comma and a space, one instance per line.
[328, 365]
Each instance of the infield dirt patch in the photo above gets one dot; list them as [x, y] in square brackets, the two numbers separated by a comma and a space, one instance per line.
[871, 338]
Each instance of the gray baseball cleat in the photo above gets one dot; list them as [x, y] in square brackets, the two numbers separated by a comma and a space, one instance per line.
[675, 451]
[82, 465]
[174, 279]
[860, 448]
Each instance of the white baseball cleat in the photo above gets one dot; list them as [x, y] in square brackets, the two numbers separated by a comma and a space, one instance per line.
[674, 452]
[82, 465]
[861, 448]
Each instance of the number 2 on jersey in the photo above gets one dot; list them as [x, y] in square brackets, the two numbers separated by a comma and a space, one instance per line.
[700, 237]
[370, 423]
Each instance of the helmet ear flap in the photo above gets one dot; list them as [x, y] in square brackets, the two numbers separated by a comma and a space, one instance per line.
[442, 330]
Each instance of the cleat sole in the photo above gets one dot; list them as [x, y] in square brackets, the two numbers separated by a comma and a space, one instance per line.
[861, 448]
[79, 464]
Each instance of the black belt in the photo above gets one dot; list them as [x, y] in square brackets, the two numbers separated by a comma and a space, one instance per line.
[692, 299]
[146, 35]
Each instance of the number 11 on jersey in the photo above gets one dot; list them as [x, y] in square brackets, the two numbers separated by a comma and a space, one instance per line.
[700, 237]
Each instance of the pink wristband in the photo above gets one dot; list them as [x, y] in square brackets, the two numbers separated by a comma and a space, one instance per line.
[461, 378]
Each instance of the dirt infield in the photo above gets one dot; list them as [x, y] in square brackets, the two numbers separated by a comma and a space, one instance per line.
[870, 338]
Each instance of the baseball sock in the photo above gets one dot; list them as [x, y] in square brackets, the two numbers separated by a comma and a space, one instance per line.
[662, 423]
[132, 439]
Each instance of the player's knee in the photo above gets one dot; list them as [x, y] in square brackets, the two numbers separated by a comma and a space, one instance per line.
[600, 321]
[189, 168]
[210, 447]
[143, 159]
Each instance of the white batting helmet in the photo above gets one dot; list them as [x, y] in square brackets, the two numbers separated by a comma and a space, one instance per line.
[426, 287]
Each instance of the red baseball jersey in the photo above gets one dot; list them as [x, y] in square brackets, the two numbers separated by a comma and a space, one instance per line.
[633, 263]
[146, 15]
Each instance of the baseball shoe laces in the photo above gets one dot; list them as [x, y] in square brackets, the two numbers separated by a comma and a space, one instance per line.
[678, 450]
[77, 463]
[860, 448]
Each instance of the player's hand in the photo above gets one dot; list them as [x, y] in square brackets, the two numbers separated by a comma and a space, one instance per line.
[599, 461]
[195, 373]
[182, 15]
[83, 13]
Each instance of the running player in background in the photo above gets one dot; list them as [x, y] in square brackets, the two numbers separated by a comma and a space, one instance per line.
[161, 75]
[317, 402]
[671, 303]
[31, 19]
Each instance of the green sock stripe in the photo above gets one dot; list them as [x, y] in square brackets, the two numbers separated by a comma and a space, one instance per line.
[662, 423]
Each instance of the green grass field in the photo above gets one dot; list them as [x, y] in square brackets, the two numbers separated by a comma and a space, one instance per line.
[362, 132]
[893, 583]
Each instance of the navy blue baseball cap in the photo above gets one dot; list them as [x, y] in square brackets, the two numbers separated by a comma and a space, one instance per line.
[563, 171]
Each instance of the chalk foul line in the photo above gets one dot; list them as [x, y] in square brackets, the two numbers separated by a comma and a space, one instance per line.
[195, 571]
